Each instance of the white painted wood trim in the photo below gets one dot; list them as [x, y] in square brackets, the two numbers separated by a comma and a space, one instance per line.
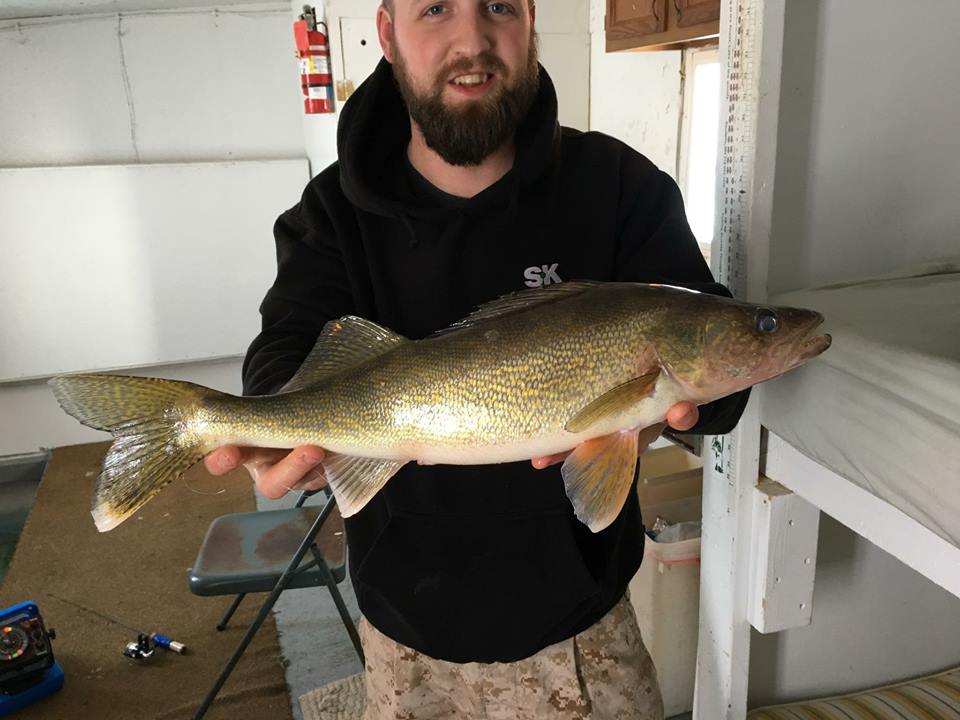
[751, 49]
[784, 558]
[731, 470]
[875, 519]
[765, 124]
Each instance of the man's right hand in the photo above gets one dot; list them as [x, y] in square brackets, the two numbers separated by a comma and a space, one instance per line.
[275, 472]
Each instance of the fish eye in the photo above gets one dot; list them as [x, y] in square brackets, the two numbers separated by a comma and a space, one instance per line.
[767, 321]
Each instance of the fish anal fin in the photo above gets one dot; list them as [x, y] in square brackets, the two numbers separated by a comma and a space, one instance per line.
[598, 475]
[355, 480]
[342, 344]
[614, 402]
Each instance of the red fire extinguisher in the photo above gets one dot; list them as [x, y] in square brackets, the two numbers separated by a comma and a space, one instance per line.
[313, 52]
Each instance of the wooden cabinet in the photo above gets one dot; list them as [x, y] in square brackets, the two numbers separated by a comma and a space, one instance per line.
[661, 24]
[629, 18]
[697, 12]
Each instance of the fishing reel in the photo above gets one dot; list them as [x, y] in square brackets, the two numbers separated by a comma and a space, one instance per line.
[28, 670]
[143, 647]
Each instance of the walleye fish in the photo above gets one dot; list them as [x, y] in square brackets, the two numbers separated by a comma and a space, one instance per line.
[580, 366]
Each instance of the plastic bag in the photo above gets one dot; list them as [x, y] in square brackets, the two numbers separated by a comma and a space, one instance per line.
[679, 532]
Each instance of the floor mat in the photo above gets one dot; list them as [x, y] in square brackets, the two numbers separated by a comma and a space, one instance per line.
[339, 700]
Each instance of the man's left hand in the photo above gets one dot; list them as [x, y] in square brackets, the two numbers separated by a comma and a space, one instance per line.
[682, 416]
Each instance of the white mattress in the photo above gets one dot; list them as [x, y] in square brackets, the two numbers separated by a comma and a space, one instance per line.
[882, 406]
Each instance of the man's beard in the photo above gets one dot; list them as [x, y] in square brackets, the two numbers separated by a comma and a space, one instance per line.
[468, 135]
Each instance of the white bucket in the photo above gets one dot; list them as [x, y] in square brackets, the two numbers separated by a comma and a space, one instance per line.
[665, 592]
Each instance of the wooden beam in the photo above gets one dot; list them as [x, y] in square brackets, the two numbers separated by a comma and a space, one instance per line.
[866, 514]
[784, 558]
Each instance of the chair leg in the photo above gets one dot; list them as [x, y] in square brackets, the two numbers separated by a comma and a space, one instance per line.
[230, 611]
[261, 616]
[235, 658]
[341, 605]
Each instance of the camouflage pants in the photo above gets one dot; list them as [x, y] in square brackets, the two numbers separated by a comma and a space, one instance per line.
[604, 673]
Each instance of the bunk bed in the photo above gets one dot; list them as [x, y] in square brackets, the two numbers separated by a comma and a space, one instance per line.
[870, 431]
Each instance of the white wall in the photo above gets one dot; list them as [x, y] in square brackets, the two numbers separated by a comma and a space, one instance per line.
[866, 180]
[179, 86]
[636, 96]
[202, 84]
[867, 173]
[564, 29]
[45, 8]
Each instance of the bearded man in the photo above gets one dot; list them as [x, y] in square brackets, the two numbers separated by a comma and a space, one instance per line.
[482, 595]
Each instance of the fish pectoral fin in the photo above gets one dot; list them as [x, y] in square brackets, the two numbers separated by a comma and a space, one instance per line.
[342, 344]
[597, 476]
[614, 402]
[354, 480]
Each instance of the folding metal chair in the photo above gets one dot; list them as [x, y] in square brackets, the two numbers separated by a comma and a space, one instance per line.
[264, 551]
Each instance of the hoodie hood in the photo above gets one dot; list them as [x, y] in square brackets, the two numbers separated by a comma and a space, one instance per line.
[374, 131]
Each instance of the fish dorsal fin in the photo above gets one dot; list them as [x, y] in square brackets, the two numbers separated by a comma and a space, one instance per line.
[614, 402]
[521, 300]
[342, 344]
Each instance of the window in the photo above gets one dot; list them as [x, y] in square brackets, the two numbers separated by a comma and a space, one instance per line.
[699, 139]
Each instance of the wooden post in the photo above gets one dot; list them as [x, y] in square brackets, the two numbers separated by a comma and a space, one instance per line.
[784, 551]
[731, 466]
[751, 39]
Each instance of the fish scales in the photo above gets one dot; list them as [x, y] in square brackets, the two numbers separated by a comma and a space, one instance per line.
[513, 379]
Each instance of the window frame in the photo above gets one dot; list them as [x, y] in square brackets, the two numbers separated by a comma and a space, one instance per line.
[692, 58]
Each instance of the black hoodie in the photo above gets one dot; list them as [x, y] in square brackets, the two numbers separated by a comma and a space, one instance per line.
[473, 563]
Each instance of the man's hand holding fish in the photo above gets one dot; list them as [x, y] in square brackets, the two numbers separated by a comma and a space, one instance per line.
[275, 471]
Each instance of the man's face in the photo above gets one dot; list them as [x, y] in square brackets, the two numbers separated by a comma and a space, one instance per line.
[467, 70]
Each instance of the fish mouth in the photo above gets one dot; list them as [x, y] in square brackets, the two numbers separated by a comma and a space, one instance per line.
[813, 346]
[810, 345]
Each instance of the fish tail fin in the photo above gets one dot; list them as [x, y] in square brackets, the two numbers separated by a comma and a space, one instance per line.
[153, 445]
